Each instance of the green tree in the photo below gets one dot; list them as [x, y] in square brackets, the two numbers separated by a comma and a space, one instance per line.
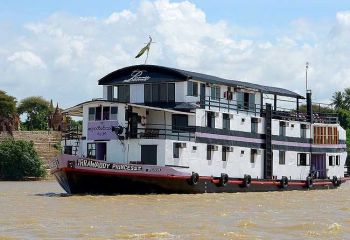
[19, 160]
[7, 105]
[37, 110]
[338, 100]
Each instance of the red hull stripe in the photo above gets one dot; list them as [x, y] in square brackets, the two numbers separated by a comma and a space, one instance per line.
[208, 178]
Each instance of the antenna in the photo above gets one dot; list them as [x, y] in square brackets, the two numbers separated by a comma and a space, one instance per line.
[306, 70]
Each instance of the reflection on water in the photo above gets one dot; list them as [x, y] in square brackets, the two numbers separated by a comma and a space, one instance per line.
[41, 210]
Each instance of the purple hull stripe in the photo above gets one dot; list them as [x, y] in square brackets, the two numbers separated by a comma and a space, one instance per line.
[226, 137]
[255, 140]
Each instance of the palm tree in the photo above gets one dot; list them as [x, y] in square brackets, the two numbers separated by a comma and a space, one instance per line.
[346, 96]
[338, 100]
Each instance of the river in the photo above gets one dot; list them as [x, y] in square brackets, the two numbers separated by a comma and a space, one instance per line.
[41, 210]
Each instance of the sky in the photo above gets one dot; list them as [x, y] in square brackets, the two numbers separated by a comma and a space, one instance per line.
[60, 49]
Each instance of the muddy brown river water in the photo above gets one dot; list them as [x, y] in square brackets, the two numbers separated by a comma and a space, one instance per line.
[41, 210]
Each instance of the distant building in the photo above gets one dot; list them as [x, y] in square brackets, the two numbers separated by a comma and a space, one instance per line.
[56, 120]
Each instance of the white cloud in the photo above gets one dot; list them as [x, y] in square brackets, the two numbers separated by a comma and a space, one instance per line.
[67, 54]
[27, 58]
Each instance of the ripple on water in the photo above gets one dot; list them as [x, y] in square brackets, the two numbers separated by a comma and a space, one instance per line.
[152, 235]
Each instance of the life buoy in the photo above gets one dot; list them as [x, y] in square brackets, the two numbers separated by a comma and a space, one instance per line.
[309, 182]
[247, 180]
[336, 182]
[143, 120]
[223, 179]
[194, 179]
[284, 182]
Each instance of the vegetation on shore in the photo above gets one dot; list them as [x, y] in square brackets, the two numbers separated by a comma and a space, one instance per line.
[19, 160]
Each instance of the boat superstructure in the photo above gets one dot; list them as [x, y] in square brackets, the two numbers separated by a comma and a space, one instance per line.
[160, 129]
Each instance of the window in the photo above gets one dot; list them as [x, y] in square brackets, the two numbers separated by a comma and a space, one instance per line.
[179, 122]
[124, 93]
[337, 159]
[110, 93]
[226, 121]
[282, 158]
[209, 152]
[92, 114]
[224, 153]
[252, 155]
[246, 101]
[115, 93]
[303, 130]
[282, 131]
[164, 92]
[211, 119]
[155, 92]
[91, 150]
[105, 115]
[254, 125]
[98, 113]
[176, 150]
[192, 88]
[303, 159]
[215, 93]
[331, 161]
[114, 113]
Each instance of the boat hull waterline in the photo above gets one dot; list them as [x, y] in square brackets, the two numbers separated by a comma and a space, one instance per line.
[78, 175]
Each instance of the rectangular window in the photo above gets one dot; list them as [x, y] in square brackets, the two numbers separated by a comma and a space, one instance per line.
[331, 160]
[282, 157]
[163, 92]
[209, 152]
[155, 92]
[179, 122]
[147, 93]
[225, 121]
[105, 115]
[192, 88]
[110, 93]
[303, 159]
[176, 150]
[254, 125]
[337, 159]
[114, 113]
[282, 131]
[171, 92]
[211, 119]
[98, 113]
[92, 113]
[91, 150]
[303, 130]
[224, 153]
[215, 92]
[252, 155]
[124, 93]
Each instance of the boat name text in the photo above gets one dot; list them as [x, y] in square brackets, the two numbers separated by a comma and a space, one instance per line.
[102, 165]
[136, 76]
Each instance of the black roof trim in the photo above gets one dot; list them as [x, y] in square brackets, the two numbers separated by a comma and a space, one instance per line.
[183, 75]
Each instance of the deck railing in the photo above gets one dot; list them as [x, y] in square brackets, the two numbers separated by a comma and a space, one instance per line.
[161, 131]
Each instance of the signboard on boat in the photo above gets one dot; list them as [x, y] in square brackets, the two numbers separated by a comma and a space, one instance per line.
[101, 130]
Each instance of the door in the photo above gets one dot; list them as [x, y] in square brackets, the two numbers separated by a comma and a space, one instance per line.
[133, 125]
[318, 165]
[202, 95]
[101, 151]
[149, 154]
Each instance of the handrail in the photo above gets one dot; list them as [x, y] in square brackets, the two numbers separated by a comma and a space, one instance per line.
[182, 133]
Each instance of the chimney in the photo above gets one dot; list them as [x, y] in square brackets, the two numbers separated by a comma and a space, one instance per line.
[309, 106]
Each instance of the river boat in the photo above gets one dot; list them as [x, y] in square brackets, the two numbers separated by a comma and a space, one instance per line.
[164, 130]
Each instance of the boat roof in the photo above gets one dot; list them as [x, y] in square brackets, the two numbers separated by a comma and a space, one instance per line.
[77, 110]
[159, 74]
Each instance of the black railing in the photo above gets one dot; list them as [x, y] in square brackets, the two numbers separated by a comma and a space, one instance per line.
[231, 105]
[161, 131]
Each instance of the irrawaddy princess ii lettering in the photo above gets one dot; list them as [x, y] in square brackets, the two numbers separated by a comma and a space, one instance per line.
[188, 132]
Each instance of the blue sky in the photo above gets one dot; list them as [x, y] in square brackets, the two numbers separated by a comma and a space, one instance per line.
[46, 43]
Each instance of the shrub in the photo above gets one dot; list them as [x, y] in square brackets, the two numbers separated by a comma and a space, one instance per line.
[19, 160]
